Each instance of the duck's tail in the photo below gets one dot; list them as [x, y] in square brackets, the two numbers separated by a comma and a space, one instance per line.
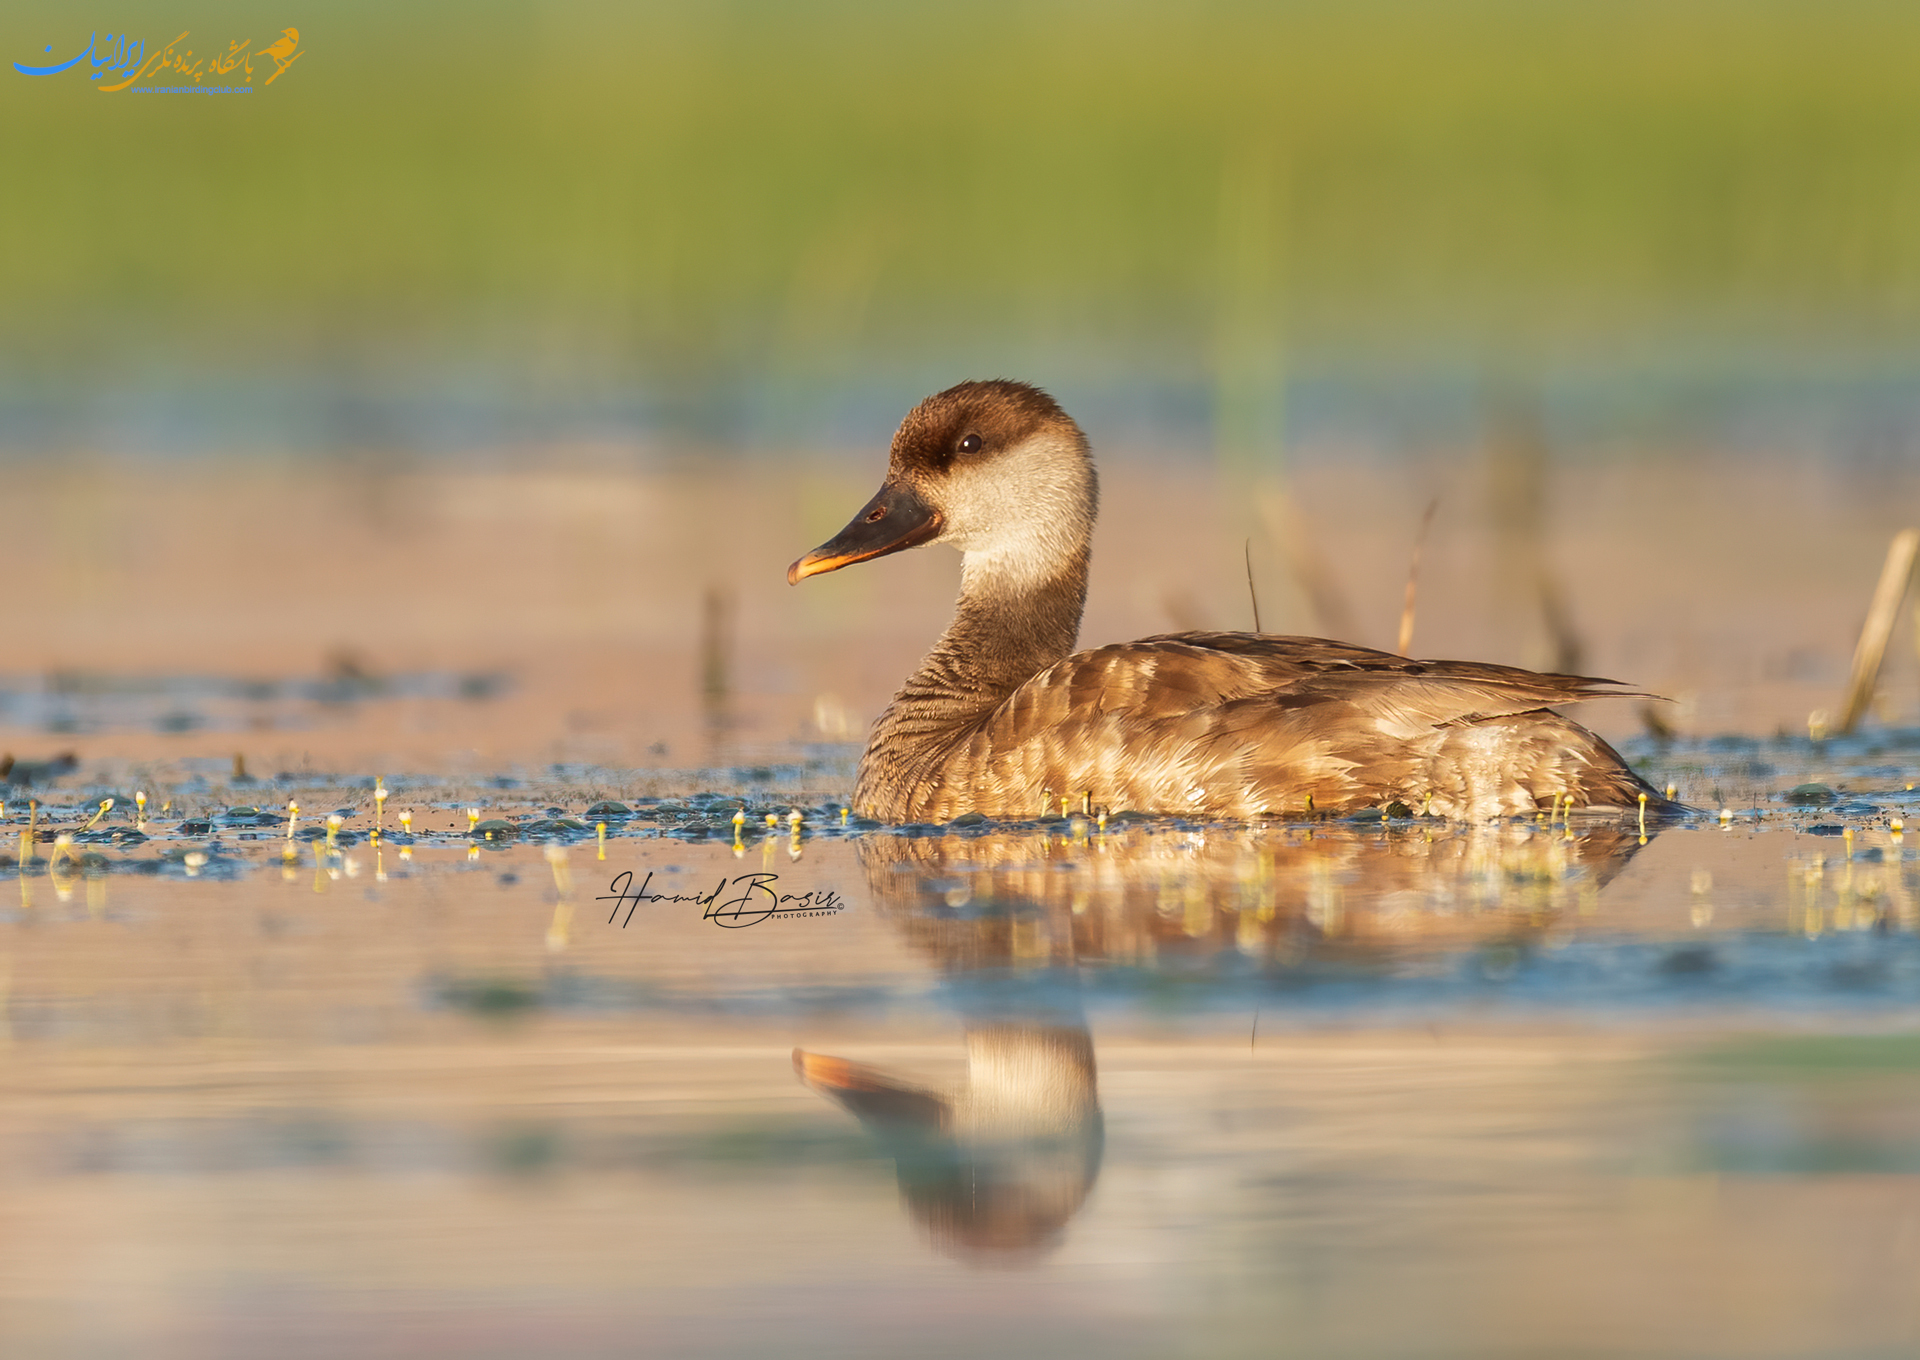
[1608, 781]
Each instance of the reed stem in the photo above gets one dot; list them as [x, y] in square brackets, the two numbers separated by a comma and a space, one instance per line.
[1872, 648]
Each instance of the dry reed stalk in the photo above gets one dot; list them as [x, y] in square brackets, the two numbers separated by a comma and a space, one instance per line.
[1413, 580]
[716, 667]
[1879, 626]
[1252, 594]
[1519, 469]
[1309, 566]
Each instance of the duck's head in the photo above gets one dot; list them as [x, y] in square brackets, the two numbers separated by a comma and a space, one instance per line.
[997, 469]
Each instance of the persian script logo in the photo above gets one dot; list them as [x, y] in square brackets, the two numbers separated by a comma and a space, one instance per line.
[125, 56]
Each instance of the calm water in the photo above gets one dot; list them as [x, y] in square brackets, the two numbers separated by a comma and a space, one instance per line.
[1340, 1088]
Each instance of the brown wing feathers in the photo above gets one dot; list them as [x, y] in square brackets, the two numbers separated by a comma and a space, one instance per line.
[1237, 724]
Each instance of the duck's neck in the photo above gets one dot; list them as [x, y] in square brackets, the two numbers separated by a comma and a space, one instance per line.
[1010, 624]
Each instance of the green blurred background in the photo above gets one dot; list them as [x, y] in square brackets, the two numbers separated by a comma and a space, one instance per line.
[760, 223]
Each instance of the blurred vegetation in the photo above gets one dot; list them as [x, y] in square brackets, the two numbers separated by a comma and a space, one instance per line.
[682, 190]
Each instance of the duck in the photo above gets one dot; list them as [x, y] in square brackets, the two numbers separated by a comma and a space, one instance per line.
[1006, 720]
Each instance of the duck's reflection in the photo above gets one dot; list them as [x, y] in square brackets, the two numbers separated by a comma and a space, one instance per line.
[1000, 1163]
[1332, 892]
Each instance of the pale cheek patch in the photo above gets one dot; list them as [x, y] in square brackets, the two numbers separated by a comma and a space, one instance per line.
[1020, 517]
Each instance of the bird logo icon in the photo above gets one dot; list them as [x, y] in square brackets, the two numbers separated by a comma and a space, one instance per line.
[284, 53]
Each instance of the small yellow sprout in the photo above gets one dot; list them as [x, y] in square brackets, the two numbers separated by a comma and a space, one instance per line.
[473, 819]
[334, 822]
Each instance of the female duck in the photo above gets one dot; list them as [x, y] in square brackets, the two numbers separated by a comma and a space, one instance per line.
[1004, 719]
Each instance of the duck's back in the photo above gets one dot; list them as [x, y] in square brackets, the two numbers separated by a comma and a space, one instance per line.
[1247, 725]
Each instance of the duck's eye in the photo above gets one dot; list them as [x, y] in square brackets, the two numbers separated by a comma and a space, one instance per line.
[971, 444]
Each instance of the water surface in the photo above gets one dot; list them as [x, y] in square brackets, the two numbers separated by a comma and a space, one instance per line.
[1376, 1087]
